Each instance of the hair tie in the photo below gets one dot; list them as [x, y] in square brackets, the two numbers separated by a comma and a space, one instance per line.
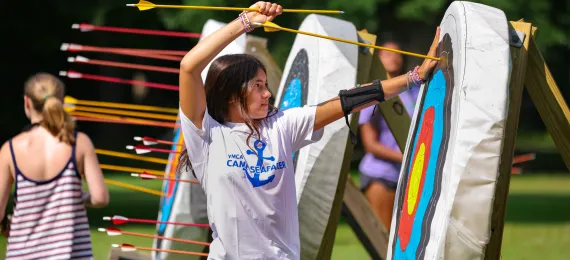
[46, 96]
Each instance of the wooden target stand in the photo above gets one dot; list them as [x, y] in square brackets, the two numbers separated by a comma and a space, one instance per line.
[529, 70]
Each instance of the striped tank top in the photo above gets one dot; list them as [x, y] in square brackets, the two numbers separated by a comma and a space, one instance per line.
[49, 219]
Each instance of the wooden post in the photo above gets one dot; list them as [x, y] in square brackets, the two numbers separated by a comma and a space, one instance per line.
[519, 64]
[356, 208]
[325, 252]
[548, 100]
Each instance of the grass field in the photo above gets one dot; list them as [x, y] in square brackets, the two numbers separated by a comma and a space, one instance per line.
[537, 222]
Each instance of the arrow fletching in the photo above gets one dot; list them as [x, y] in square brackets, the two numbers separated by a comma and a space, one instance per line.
[146, 176]
[270, 27]
[117, 220]
[111, 231]
[126, 247]
[139, 149]
[143, 5]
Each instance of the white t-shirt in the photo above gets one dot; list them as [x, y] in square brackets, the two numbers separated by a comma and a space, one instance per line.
[251, 201]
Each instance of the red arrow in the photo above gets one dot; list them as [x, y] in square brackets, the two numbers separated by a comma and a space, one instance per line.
[85, 27]
[152, 141]
[130, 248]
[142, 149]
[74, 74]
[119, 220]
[113, 231]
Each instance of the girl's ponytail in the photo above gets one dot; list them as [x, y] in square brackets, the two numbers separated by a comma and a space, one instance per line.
[57, 121]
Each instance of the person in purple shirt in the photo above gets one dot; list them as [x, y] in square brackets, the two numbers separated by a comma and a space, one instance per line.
[380, 166]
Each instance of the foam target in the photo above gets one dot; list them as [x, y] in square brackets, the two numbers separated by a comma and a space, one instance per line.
[447, 181]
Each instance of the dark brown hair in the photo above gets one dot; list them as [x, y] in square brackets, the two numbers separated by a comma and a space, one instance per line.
[227, 81]
[46, 93]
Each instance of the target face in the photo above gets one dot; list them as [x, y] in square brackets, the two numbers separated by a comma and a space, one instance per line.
[425, 160]
[297, 87]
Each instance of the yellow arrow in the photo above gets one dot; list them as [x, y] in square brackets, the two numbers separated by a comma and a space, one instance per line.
[146, 5]
[71, 108]
[272, 27]
[73, 101]
[131, 156]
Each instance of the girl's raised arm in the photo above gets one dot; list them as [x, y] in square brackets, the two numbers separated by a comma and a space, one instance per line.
[192, 93]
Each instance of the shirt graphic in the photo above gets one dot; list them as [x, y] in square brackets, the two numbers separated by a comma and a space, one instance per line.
[254, 172]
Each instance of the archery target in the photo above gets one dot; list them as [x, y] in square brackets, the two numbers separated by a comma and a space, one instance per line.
[447, 183]
[315, 71]
[187, 202]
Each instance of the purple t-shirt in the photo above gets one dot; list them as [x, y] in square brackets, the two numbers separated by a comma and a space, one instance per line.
[376, 167]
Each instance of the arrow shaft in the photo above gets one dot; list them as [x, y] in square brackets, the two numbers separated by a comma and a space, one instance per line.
[353, 42]
[139, 31]
[166, 238]
[218, 8]
[170, 251]
[126, 106]
[158, 150]
[134, 187]
[129, 82]
[148, 221]
[131, 156]
[125, 113]
[122, 121]
[127, 52]
[132, 169]
[130, 66]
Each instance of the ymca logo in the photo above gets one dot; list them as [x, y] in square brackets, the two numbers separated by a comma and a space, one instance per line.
[253, 173]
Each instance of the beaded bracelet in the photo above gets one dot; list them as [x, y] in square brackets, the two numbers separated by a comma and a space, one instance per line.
[416, 76]
[245, 22]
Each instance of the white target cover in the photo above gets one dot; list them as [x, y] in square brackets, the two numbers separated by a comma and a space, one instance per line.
[315, 71]
[187, 204]
[454, 205]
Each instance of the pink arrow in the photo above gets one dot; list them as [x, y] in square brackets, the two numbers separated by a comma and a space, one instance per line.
[119, 220]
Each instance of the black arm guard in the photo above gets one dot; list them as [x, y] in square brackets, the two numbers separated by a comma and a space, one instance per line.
[353, 98]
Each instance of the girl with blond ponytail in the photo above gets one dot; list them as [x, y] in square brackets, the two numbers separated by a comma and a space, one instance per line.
[46, 164]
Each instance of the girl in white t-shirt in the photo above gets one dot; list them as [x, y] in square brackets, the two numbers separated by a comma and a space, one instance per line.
[240, 147]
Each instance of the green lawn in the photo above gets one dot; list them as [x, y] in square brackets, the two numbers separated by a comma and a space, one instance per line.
[537, 223]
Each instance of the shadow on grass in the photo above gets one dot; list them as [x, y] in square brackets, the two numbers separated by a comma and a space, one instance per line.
[126, 204]
[538, 208]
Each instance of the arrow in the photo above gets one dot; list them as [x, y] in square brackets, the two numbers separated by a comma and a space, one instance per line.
[119, 220]
[74, 101]
[112, 231]
[77, 48]
[77, 75]
[145, 176]
[524, 158]
[142, 149]
[81, 59]
[71, 108]
[118, 119]
[127, 52]
[146, 5]
[272, 27]
[131, 156]
[121, 121]
[152, 141]
[134, 187]
[85, 27]
[133, 169]
[131, 248]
